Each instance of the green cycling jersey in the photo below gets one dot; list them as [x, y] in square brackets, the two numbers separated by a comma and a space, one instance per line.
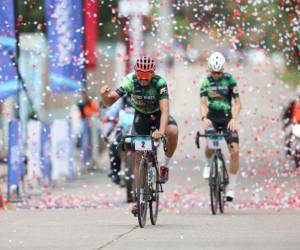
[219, 93]
[145, 99]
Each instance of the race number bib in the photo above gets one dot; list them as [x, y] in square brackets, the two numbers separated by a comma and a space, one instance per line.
[214, 142]
[143, 144]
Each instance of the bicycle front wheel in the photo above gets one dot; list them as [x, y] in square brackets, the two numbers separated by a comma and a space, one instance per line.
[154, 199]
[142, 192]
[223, 177]
[213, 187]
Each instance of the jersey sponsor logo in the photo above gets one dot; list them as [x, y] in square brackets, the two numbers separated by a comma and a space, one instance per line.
[163, 90]
[215, 94]
[218, 92]
[219, 88]
[149, 97]
[144, 100]
[145, 97]
[235, 90]
[137, 97]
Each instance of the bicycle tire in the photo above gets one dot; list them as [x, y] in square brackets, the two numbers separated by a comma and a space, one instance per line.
[142, 184]
[213, 187]
[154, 199]
[222, 188]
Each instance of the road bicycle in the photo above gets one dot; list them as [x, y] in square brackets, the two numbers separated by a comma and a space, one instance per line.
[218, 176]
[148, 186]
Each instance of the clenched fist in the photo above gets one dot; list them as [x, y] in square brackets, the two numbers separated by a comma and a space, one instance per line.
[156, 135]
[105, 91]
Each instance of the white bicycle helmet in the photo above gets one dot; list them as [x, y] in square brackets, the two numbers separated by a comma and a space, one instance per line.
[216, 62]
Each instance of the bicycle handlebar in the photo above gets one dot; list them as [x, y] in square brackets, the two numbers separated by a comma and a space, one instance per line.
[162, 138]
[198, 135]
[197, 139]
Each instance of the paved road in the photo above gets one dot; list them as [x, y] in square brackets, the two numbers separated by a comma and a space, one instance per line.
[104, 222]
[90, 213]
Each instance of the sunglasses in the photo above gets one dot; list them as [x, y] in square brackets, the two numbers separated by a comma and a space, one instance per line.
[144, 75]
[216, 72]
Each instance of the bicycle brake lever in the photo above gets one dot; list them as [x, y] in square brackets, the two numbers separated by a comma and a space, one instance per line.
[197, 140]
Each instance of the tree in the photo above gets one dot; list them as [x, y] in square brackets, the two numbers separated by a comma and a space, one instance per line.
[30, 16]
[273, 25]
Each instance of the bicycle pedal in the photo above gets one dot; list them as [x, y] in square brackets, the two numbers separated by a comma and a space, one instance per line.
[229, 199]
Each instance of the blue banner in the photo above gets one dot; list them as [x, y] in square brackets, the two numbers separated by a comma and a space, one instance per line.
[14, 155]
[85, 143]
[9, 83]
[71, 172]
[46, 152]
[65, 38]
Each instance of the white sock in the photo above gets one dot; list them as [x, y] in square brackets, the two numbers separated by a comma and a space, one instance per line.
[166, 161]
[208, 161]
[232, 181]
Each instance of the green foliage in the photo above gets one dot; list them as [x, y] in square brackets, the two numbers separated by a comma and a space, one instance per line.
[30, 15]
[273, 25]
[31, 18]
[182, 30]
[291, 77]
[109, 23]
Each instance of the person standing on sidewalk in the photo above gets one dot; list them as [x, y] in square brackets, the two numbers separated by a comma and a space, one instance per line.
[220, 106]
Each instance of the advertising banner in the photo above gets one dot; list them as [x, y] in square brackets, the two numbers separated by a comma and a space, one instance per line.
[61, 150]
[14, 156]
[9, 81]
[65, 37]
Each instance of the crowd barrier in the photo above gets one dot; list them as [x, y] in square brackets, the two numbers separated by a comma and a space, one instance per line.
[46, 157]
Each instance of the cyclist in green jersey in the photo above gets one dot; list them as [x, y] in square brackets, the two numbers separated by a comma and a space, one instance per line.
[150, 99]
[220, 106]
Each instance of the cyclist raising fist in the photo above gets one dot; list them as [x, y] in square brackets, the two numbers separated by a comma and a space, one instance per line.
[150, 99]
[220, 106]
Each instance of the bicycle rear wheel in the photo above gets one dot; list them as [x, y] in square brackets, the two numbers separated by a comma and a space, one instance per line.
[214, 187]
[154, 198]
[142, 192]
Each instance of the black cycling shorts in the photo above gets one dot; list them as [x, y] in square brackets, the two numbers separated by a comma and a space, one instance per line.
[143, 123]
[220, 123]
